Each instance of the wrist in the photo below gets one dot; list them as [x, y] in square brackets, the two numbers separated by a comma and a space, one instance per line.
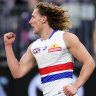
[8, 46]
[76, 86]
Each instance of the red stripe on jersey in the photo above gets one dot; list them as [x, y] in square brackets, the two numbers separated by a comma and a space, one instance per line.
[55, 68]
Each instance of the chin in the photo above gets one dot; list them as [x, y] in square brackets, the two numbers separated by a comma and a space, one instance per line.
[36, 32]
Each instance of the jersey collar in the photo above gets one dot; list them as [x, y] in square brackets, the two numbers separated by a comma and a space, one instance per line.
[51, 34]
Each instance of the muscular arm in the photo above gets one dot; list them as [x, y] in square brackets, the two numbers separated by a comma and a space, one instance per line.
[18, 69]
[94, 38]
[81, 54]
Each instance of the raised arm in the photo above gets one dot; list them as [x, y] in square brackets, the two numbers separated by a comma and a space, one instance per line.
[27, 62]
[81, 54]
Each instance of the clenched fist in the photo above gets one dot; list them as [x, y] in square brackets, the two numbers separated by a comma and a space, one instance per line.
[70, 90]
[9, 38]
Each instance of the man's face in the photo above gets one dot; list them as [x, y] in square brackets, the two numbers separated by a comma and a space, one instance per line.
[36, 21]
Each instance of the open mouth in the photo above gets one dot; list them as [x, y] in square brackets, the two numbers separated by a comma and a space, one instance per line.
[32, 27]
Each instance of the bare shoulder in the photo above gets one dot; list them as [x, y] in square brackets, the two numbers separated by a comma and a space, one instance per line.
[29, 54]
[29, 49]
[69, 36]
[70, 39]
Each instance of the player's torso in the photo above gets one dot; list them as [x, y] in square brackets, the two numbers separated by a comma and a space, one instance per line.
[54, 60]
[51, 51]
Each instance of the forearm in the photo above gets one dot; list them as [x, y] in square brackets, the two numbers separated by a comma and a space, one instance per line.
[12, 61]
[94, 41]
[85, 73]
[94, 38]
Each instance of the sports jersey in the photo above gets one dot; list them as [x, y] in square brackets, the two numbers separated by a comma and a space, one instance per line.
[55, 63]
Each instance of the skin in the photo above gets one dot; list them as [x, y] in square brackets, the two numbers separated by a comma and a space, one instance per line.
[27, 62]
[94, 39]
[82, 55]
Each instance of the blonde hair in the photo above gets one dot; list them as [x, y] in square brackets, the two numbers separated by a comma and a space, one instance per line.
[57, 19]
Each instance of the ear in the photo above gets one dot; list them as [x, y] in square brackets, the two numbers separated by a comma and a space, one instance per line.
[44, 19]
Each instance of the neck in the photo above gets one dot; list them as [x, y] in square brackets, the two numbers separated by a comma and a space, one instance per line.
[46, 32]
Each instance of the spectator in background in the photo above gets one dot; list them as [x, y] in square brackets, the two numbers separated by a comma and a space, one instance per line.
[59, 2]
[82, 19]
[86, 1]
[31, 5]
[27, 35]
[7, 7]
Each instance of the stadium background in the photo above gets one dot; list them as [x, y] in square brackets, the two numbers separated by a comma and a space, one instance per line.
[15, 16]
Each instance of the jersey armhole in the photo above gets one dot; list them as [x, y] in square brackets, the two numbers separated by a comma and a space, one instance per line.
[62, 33]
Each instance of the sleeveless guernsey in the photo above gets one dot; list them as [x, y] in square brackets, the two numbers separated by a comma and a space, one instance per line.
[55, 63]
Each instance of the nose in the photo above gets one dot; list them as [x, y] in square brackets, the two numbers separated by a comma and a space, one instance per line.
[30, 21]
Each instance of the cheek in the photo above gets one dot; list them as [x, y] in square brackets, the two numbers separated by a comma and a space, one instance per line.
[36, 22]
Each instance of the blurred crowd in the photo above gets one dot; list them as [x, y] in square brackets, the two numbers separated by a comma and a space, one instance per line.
[15, 16]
